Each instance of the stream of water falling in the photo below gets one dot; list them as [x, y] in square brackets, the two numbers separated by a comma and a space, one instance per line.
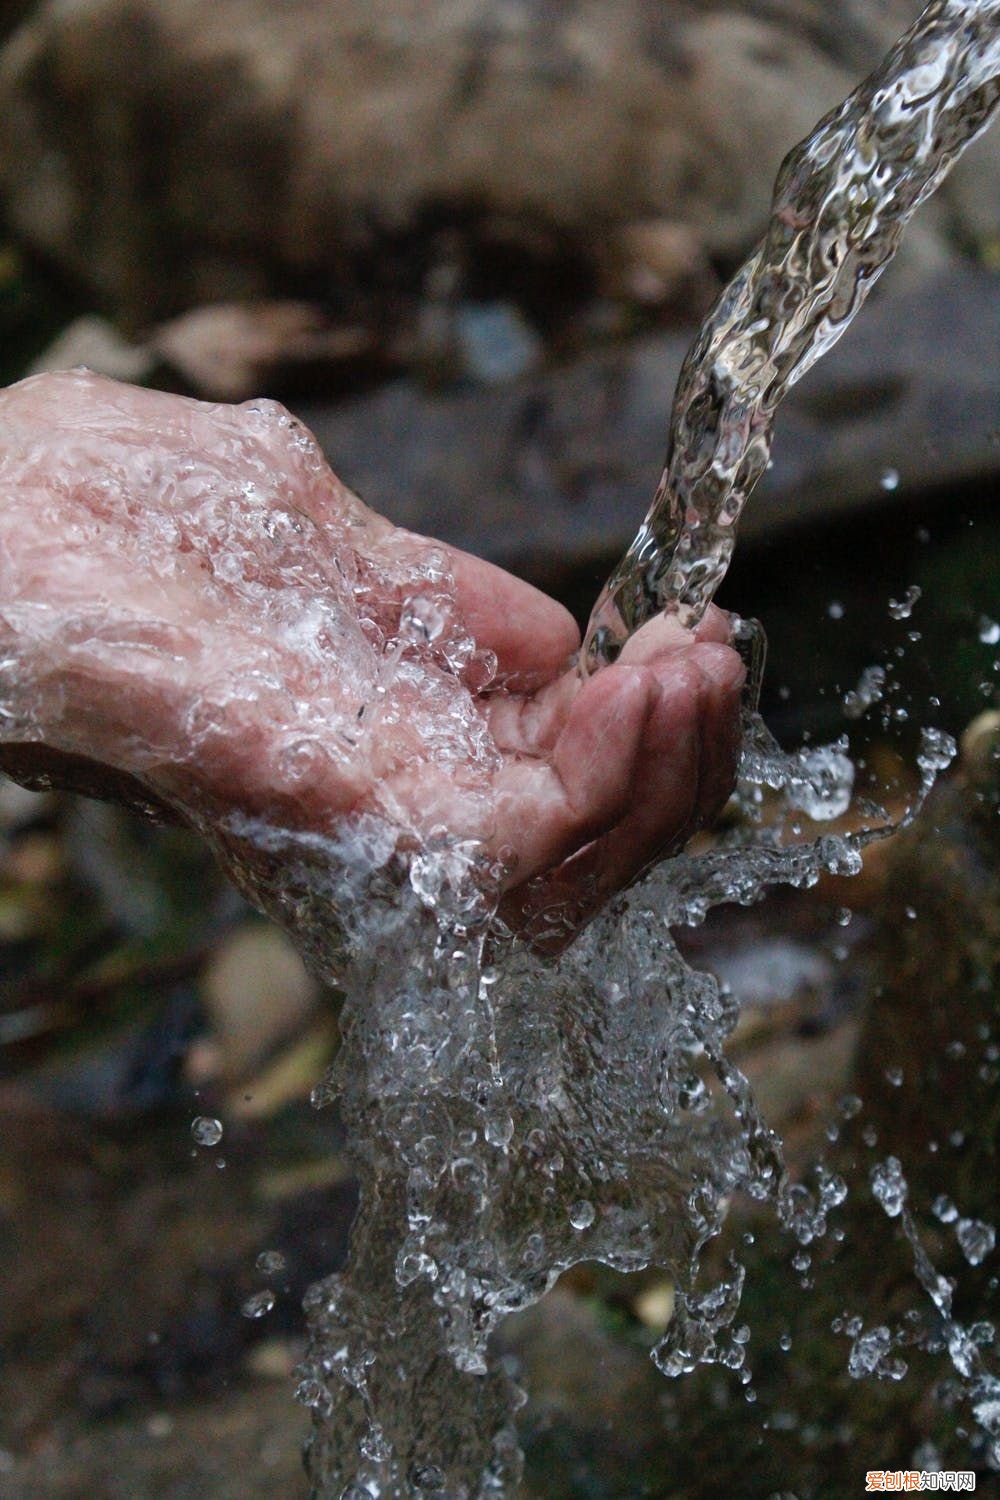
[510, 1117]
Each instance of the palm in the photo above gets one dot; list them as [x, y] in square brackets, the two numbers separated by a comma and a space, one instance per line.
[192, 601]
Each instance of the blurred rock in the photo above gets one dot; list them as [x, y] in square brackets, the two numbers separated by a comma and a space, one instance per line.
[239, 1444]
[167, 153]
[595, 1414]
[19, 807]
[230, 352]
[974, 190]
[495, 344]
[928, 1064]
[256, 994]
[552, 475]
[659, 261]
[95, 343]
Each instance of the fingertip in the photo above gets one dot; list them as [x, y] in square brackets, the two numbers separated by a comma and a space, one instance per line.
[721, 665]
[715, 625]
[596, 754]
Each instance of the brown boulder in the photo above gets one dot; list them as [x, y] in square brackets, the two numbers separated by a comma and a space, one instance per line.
[168, 153]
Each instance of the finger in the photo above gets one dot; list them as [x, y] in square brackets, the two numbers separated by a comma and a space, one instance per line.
[684, 774]
[546, 808]
[666, 633]
[533, 637]
[533, 721]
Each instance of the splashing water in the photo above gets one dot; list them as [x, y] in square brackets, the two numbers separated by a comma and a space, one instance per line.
[510, 1117]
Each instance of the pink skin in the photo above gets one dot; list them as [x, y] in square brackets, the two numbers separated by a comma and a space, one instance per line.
[132, 648]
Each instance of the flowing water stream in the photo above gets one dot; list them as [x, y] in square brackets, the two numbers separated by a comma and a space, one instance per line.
[511, 1116]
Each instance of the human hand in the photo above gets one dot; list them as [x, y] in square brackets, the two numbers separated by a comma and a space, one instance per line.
[196, 615]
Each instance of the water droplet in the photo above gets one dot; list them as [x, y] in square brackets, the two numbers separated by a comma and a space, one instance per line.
[976, 1239]
[889, 480]
[258, 1305]
[271, 1263]
[901, 609]
[843, 916]
[206, 1130]
[498, 1130]
[889, 1185]
[894, 1076]
[835, 609]
[582, 1214]
[314, 1394]
[989, 630]
[785, 1342]
[427, 1477]
[937, 750]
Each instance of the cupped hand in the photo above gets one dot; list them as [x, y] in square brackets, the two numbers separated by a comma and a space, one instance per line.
[198, 617]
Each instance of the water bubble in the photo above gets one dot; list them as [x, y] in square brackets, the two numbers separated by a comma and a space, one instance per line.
[943, 1209]
[850, 1105]
[422, 619]
[534, 1250]
[989, 630]
[835, 609]
[843, 916]
[894, 1075]
[976, 1239]
[785, 1342]
[298, 760]
[889, 480]
[206, 1130]
[314, 1394]
[258, 1305]
[324, 1093]
[582, 1214]
[889, 1185]
[498, 1130]
[427, 1477]
[901, 609]
[271, 1263]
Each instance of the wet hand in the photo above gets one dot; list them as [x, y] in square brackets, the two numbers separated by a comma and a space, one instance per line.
[197, 616]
